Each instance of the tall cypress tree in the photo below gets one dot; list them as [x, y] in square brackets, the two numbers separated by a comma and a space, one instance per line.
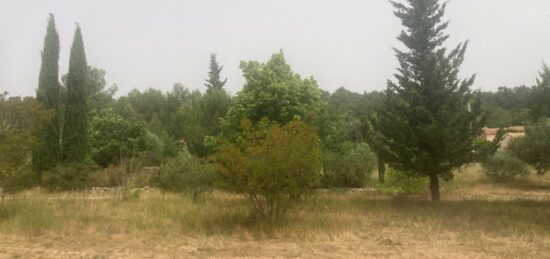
[75, 133]
[214, 81]
[430, 116]
[48, 153]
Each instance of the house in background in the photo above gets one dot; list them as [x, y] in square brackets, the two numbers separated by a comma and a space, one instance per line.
[489, 134]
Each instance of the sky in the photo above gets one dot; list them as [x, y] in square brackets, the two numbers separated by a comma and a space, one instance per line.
[154, 44]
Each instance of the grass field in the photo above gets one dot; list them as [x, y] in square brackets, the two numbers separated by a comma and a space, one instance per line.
[476, 219]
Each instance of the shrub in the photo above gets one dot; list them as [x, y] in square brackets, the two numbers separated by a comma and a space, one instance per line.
[534, 148]
[273, 166]
[125, 178]
[67, 177]
[187, 174]
[398, 182]
[19, 179]
[504, 166]
[113, 137]
[348, 167]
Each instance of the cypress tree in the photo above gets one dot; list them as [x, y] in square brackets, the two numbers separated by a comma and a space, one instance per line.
[430, 116]
[214, 81]
[75, 131]
[48, 153]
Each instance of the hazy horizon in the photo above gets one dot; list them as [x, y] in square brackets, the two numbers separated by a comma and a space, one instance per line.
[142, 44]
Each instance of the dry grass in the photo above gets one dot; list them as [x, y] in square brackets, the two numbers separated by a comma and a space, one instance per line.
[475, 219]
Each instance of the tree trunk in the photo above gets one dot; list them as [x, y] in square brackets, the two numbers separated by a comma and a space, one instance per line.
[434, 188]
[381, 170]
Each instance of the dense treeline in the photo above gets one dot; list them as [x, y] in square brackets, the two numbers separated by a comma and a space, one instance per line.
[274, 141]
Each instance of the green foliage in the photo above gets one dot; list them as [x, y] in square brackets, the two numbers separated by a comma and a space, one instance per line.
[48, 94]
[504, 166]
[19, 179]
[214, 81]
[539, 105]
[398, 182]
[534, 148]
[272, 90]
[273, 166]
[350, 166]
[19, 121]
[187, 174]
[484, 149]
[114, 138]
[201, 117]
[430, 117]
[75, 133]
[67, 177]
[508, 106]
[99, 97]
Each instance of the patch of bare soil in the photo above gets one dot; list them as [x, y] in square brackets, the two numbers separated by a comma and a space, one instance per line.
[387, 244]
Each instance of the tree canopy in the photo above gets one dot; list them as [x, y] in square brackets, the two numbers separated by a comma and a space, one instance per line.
[274, 91]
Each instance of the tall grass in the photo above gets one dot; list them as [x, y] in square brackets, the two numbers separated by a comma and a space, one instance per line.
[332, 214]
[27, 216]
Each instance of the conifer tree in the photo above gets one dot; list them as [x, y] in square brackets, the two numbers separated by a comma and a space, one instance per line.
[48, 153]
[75, 133]
[430, 116]
[214, 81]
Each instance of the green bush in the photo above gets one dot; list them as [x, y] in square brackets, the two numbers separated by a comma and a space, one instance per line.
[272, 166]
[504, 166]
[67, 177]
[113, 137]
[187, 174]
[534, 148]
[398, 182]
[19, 179]
[349, 167]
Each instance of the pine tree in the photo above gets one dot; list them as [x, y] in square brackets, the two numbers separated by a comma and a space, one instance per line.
[48, 153]
[214, 81]
[430, 116]
[75, 133]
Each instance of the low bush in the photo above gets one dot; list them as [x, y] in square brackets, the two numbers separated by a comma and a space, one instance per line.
[67, 177]
[349, 167]
[272, 166]
[187, 174]
[504, 166]
[398, 182]
[19, 179]
[534, 148]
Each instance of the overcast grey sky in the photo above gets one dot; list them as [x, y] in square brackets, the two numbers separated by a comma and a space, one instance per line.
[144, 44]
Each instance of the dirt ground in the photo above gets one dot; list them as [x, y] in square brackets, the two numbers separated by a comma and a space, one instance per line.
[346, 246]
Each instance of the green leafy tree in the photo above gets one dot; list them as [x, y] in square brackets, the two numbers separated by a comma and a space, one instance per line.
[273, 166]
[48, 153]
[374, 102]
[214, 81]
[534, 148]
[430, 117]
[272, 90]
[20, 122]
[100, 97]
[75, 134]
[114, 138]
[539, 101]
[484, 149]
[508, 106]
[200, 119]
